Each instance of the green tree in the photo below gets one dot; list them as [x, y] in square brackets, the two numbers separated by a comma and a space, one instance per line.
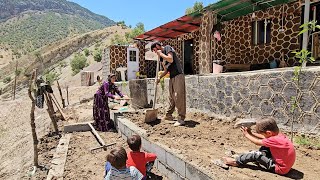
[129, 36]
[121, 23]
[78, 63]
[196, 7]
[139, 29]
[97, 56]
[86, 52]
[51, 76]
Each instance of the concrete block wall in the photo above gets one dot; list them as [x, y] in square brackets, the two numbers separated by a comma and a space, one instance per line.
[257, 94]
[168, 163]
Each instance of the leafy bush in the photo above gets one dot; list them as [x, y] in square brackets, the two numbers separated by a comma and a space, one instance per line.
[7, 79]
[78, 63]
[86, 52]
[51, 76]
[1, 56]
[128, 38]
[97, 56]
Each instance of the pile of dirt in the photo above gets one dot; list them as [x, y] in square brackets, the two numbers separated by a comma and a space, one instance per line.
[204, 138]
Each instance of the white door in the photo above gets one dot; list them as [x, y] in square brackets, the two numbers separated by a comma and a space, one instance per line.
[133, 62]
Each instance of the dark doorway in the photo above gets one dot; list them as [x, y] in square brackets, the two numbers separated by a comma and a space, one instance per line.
[188, 56]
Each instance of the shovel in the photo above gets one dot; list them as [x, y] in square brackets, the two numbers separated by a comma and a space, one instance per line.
[151, 114]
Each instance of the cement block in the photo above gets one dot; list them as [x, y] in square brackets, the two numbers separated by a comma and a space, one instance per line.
[194, 174]
[161, 152]
[127, 131]
[121, 126]
[133, 126]
[59, 158]
[123, 136]
[77, 127]
[146, 145]
[176, 163]
[162, 168]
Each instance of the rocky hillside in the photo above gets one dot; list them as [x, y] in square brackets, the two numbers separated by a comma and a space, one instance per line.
[26, 25]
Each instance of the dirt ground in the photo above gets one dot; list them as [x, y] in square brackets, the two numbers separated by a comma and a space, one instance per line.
[203, 139]
[16, 147]
[82, 164]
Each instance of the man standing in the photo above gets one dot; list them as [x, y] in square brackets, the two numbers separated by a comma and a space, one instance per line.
[177, 90]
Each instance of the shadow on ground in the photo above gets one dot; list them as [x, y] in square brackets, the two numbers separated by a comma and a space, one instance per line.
[293, 173]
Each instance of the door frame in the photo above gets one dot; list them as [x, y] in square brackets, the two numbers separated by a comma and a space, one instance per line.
[128, 60]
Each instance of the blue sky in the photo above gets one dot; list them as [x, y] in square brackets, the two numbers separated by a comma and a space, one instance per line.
[151, 13]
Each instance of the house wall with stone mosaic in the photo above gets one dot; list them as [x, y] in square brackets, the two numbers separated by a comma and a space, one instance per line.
[115, 56]
[236, 46]
[177, 44]
[257, 94]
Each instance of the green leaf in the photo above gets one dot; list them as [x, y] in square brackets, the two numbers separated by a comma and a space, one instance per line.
[318, 26]
[311, 59]
[303, 31]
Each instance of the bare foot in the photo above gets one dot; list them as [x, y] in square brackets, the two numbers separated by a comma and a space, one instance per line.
[229, 161]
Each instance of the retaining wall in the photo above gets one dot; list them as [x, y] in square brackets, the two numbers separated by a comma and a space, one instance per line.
[256, 94]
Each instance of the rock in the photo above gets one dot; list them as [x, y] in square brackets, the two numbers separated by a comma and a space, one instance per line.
[245, 123]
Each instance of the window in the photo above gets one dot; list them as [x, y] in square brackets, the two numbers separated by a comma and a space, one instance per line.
[261, 32]
[132, 56]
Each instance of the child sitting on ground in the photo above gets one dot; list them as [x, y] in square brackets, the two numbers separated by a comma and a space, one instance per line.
[141, 160]
[116, 166]
[277, 153]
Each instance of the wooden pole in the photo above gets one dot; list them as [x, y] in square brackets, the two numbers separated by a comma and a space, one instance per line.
[95, 133]
[32, 123]
[63, 104]
[15, 82]
[67, 87]
[60, 110]
[56, 101]
[51, 112]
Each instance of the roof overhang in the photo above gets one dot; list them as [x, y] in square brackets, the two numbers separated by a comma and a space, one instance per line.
[224, 9]
[182, 25]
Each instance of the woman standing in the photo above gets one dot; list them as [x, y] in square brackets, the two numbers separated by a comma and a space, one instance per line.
[101, 112]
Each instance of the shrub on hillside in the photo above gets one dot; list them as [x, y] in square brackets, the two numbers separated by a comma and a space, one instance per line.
[97, 56]
[1, 56]
[86, 52]
[51, 76]
[78, 63]
[7, 79]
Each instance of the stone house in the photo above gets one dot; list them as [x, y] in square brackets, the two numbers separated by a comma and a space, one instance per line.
[252, 33]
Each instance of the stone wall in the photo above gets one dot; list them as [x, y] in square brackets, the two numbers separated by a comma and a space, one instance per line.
[236, 46]
[257, 94]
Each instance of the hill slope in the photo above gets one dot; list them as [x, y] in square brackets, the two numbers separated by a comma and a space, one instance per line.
[30, 24]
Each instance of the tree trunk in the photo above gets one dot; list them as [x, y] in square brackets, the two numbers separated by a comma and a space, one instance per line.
[15, 82]
[67, 94]
[33, 127]
[51, 112]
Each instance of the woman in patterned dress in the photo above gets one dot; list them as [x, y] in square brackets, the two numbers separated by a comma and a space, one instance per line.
[101, 112]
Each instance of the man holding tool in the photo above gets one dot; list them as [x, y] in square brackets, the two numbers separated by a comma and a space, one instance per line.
[177, 90]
